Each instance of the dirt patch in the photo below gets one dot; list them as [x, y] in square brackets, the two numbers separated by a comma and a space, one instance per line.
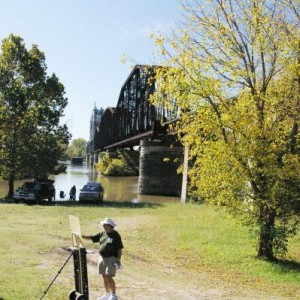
[139, 280]
[144, 279]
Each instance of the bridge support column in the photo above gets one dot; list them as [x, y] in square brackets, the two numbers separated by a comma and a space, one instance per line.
[90, 159]
[158, 175]
[96, 158]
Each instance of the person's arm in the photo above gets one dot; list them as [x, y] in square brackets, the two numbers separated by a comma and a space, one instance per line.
[119, 255]
[93, 238]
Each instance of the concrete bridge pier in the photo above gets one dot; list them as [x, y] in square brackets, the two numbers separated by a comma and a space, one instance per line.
[89, 159]
[158, 175]
[96, 158]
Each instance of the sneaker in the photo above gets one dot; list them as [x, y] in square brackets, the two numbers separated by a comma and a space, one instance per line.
[113, 297]
[105, 297]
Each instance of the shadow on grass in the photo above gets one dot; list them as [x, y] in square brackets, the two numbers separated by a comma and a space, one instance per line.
[107, 203]
[131, 204]
[288, 265]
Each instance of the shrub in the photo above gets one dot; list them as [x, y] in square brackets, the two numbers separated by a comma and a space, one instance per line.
[125, 164]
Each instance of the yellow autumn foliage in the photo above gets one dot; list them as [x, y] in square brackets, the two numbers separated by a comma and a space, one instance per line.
[232, 73]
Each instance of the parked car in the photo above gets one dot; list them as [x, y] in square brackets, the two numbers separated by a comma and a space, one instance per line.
[32, 192]
[91, 192]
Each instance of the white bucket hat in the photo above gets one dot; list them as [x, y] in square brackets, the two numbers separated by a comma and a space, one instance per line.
[108, 221]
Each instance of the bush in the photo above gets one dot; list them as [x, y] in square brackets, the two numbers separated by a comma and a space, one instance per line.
[125, 164]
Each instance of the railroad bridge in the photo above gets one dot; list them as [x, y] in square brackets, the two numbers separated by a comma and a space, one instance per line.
[135, 121]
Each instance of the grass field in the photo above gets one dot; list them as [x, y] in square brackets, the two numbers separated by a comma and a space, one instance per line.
[179, 237]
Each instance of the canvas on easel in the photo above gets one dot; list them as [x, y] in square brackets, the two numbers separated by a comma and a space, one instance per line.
[75, 231]
[81, 291]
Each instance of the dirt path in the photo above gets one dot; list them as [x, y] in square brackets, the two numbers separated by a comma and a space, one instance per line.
[141, 281]
[161, 283]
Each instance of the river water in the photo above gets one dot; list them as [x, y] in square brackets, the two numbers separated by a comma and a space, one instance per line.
[115, 188]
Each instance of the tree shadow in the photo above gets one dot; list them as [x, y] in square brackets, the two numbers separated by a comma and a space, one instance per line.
[288, 265]
[107, 203]
[130, 204]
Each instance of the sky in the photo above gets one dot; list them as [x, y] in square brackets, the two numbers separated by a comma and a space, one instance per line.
[84, 42]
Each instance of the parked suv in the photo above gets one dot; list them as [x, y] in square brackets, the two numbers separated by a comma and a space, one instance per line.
[91, 192]
[32, 192]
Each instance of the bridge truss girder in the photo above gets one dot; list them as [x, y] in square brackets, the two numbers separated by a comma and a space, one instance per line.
[134, 117]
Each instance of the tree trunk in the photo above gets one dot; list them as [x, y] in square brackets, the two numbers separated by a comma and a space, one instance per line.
[11, 185]
[266, 238]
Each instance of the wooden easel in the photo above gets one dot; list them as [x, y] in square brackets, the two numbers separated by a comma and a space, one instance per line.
[81, 291]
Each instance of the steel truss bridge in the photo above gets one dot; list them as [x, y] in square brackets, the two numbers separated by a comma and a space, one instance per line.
[134, 118]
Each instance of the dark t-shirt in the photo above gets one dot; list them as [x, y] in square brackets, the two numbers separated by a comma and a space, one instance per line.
[110, 243]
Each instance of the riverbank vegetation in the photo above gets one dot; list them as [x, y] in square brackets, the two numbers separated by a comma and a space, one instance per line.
[32, 103]
[232, 72]
[77, 148]
[179, 240]
[125, 162]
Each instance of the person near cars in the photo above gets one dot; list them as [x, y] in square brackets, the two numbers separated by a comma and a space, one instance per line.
[73, 193]
[110, 256]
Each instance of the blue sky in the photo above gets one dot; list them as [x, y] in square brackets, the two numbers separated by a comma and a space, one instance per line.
[84, 41]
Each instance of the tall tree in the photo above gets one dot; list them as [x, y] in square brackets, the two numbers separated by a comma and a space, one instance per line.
[233, 68]
[31, 106]
[77, 148]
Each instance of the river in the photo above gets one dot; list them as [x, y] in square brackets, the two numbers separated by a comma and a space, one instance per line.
[115, 188]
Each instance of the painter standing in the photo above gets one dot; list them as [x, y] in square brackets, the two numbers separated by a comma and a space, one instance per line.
[110, 256]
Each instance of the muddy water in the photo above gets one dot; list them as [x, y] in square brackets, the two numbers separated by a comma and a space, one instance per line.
[115, 188]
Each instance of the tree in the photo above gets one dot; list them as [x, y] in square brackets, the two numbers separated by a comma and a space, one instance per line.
[125, 162]
[31, 105]
[77, 148]
[233, 69]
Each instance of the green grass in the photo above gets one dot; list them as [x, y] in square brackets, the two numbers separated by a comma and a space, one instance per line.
[184, 236]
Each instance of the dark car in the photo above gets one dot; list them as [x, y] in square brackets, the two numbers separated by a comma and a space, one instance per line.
[32, 192]
[92, 192]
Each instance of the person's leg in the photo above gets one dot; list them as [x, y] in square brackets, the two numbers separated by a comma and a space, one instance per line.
[101, 268]
[108, 270]
[112, 284]
[106, 282]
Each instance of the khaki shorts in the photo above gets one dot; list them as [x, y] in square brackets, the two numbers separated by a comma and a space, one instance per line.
[107, 266]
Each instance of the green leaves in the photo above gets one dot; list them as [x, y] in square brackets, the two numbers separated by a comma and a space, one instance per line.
[77, 148]
[232, 70]
[31, 105]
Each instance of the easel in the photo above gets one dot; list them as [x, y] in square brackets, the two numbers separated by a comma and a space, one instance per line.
[81, 291]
